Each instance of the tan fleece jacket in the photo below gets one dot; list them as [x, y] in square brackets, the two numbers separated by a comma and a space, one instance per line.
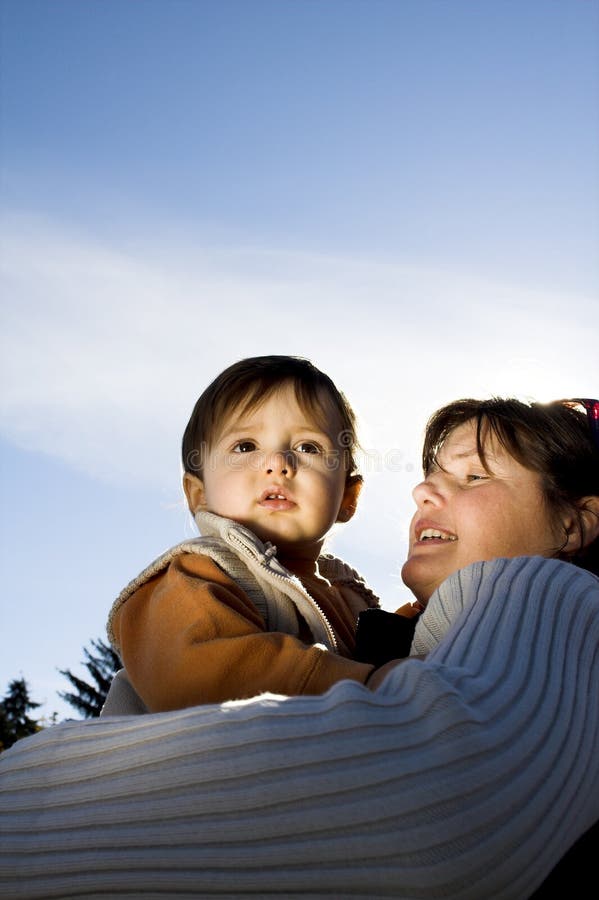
[189, 634]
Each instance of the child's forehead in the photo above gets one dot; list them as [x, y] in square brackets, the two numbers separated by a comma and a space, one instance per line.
[318, 413]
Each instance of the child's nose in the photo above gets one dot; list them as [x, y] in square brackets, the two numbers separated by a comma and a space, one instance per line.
[281, 462]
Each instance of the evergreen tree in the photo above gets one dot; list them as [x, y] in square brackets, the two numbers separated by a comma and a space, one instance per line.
[101, 662]
[14, 721]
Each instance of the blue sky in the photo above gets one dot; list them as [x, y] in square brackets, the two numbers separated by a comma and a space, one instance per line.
[405, 192]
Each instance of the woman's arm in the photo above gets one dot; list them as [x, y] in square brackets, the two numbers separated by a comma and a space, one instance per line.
[466, 775]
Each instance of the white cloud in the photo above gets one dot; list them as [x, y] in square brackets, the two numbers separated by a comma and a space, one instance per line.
[105, 349]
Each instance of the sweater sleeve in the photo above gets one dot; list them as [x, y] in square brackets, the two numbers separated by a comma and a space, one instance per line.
[466, 775]
[190, 635]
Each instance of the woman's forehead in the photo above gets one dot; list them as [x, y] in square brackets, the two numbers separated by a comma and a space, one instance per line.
[463, 443]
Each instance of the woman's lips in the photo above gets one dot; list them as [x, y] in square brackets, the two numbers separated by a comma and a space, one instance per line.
[431, 533]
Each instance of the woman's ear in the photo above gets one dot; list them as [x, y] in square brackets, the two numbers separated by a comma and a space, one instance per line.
[582, 529]
[350, 498]
[194, 492]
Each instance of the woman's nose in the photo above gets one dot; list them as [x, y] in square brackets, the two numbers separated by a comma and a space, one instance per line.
[280, 463]
[427, 492]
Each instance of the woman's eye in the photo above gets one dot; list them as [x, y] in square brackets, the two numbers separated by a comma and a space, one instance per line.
[244, 447]
[476, 477]
[308, 447]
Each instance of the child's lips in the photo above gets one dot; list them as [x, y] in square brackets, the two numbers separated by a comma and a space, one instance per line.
[275, 499]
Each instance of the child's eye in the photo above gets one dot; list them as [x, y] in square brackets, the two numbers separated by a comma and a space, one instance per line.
[308, 447]
[475, 476]
[243, 447]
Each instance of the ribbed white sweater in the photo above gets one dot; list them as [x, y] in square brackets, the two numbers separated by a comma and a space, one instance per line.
[465, 776]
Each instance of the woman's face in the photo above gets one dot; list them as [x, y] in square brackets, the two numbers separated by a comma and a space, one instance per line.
[466, 513]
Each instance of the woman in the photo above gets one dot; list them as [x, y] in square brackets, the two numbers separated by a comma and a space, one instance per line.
[494, 469]
[503, 478]
[466, 775]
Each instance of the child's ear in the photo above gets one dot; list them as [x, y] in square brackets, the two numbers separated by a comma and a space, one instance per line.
[194, 492]
[350, 498]
[588, 515]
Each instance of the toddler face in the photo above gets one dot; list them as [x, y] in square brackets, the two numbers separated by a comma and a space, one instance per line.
[278, 472]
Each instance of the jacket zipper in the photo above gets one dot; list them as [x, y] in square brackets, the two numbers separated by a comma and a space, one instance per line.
[263, 560]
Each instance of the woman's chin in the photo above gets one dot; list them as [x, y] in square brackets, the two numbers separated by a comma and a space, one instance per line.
[417, 576]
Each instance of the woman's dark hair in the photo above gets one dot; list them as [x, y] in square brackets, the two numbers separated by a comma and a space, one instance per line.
[553, 439]
[246, 384]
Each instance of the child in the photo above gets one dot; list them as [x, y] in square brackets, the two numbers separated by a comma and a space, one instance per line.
[252, 605]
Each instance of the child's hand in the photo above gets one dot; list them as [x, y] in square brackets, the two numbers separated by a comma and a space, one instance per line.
[376, 678]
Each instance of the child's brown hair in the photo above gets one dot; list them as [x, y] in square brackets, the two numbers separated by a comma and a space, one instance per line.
[247, 383]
